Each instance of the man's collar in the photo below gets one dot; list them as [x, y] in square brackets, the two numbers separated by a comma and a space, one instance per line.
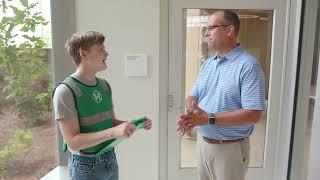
[231, 54]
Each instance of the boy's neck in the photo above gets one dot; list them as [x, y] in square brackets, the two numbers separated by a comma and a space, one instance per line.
[85, 75]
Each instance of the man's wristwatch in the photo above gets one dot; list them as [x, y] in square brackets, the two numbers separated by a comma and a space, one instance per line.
[212, 118]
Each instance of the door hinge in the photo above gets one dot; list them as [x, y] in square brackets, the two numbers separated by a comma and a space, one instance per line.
[170, 102]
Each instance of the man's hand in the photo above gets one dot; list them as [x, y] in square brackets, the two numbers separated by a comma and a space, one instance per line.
[184, 126]
[195, 116]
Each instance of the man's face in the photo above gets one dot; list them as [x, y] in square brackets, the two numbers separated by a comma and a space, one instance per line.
[97, 56]
[216, 32]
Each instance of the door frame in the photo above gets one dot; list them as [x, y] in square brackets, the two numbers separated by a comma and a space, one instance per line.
[313, 171]
[283, 140]
[298, 154]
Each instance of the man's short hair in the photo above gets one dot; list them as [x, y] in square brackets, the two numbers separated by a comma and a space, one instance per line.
[82, 40]
[231, 18]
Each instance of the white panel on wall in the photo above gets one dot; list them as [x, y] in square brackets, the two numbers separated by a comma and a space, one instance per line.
[136, 65]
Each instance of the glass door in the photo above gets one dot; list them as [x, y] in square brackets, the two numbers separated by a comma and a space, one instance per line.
[262, 24]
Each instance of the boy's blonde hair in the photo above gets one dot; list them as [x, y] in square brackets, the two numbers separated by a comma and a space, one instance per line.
[82, 40]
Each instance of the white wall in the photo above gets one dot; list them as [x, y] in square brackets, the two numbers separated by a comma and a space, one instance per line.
[130, 27]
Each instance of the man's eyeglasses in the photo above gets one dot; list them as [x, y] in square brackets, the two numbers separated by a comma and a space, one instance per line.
[213, 27]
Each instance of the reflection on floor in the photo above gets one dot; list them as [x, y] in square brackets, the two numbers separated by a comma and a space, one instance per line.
[257, 140]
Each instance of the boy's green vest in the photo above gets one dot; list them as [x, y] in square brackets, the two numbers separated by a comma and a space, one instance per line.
[94, 106]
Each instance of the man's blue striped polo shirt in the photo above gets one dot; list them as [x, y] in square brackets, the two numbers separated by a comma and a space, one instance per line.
[228, 83]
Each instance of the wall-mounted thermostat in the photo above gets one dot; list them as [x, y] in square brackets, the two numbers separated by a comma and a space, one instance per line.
[136, 65]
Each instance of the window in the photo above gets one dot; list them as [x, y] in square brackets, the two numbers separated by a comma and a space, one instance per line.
[27, 136]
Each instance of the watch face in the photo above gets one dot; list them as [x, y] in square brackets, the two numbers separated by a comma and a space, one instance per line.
[212, 120]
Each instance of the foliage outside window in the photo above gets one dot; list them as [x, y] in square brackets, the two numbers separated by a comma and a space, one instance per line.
[24, 73]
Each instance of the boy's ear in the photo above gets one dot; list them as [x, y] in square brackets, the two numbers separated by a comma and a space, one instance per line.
[82, 53]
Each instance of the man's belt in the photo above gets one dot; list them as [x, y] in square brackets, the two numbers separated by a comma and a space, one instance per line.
[215, 141]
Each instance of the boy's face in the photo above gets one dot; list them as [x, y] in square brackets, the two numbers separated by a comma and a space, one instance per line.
[96, 57]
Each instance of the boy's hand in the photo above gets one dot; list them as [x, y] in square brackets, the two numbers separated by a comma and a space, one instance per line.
[125, 129]
[148, 124]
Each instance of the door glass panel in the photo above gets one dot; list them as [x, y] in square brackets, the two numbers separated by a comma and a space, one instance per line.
[255, 36]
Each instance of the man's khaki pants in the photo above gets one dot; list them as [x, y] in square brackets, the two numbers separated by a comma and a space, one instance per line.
[226, 161]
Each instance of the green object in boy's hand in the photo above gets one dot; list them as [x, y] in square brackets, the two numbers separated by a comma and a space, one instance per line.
[64, 147]
[139, 123]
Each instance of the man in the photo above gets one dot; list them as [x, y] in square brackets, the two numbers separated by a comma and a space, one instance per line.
[84, 110]
[226, 101]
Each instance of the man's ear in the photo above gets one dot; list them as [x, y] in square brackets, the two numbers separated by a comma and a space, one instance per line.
[231, 31]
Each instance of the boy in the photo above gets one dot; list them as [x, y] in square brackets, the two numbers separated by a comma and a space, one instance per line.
[84, 110]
